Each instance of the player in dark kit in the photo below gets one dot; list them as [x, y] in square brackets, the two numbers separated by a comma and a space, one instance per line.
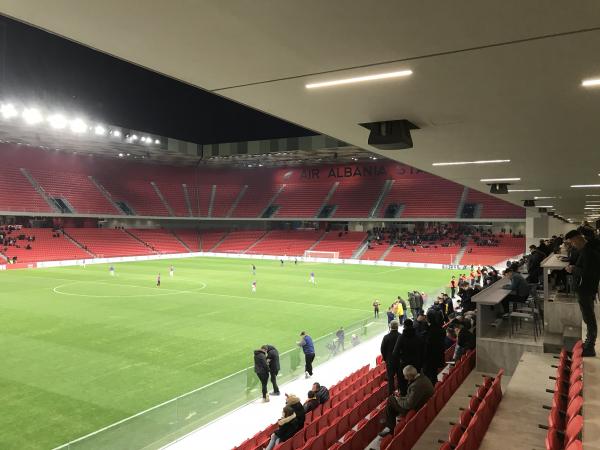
[158, 280]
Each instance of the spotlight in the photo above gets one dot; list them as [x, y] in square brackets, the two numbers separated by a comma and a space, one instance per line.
[157, 141]
[100, 130]
[8, 110]
[32, 116]
[78, 126]
[499, 188]
[143, 139]
[57, 121]
[147, 139]
[116, 133]
[134, 137]
[120, 155]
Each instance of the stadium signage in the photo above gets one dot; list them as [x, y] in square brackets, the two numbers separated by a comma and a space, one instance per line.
[344, 172]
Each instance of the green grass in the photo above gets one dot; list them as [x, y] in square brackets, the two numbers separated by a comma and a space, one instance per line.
[82, 349]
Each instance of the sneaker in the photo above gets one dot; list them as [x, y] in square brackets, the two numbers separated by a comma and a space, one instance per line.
[306, 375]
[383, 433]
[588, 351]
[275, 393]
[266, 399]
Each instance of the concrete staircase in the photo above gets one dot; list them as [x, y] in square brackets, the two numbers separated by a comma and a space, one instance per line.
[78, 244]
[459, 255]
[387, 186]
[216, 244]
[256, 242]
[237, 200]
[213, 193]
[179, 240]
[40, 190]
[462, 201]
[105, 193]
[279, 191]
[317, 242]
[186, 196]
[360, 250]
[139, 240]
[162, 199]
[387, 252]
[327, 197]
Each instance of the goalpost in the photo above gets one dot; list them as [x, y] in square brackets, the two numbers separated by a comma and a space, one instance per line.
[316, 254]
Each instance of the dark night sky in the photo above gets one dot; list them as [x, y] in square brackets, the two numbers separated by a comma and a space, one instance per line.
[40, 67]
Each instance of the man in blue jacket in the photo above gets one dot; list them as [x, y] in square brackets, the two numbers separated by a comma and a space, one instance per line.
[308, 348]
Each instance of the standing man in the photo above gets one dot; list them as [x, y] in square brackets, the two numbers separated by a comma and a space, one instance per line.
[412, 302]
[340, 338]
[453, 286]
[171, 271]
[261, 368]
[419, 301]
[158, 280]
[387, 348]
[586, 273]
[273, 363]
[402, 310]
[253, 269]
[308, 347]
[376, 304]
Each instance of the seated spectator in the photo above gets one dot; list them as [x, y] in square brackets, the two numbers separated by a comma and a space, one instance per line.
[288, 425]
[450, 338]
[419, 392]
[465, 340]
[312, 402]
[321, 392]
[294, 402]
[518, 287]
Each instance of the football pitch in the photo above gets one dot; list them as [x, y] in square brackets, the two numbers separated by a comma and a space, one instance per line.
[82, 349]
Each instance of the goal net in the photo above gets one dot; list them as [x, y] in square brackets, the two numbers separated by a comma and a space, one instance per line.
[315, 254]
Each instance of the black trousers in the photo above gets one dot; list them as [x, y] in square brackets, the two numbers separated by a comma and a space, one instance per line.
[308, 360]
[512, 298]
[402, 382]
[393, 410]
[453, 292]
[586, 304]
[274, 382]
[376, 313]
[391, 372]
[264, 379]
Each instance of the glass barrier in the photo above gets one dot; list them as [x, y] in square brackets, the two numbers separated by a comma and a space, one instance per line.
[168, 421]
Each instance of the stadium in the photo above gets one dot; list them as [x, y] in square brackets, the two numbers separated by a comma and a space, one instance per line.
[316, 225]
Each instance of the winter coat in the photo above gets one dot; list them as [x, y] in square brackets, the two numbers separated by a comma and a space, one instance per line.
[260, 363]
[273, 359]
[408, 349]
[587, 268]
[387, 346]
[294, 403]
[434, 348]
[288, 426]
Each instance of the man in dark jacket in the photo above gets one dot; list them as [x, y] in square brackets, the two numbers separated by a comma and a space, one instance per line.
[273, 362]
[434, 348]
[519, 287]
[465, 340]
[387, 348]
[311, 403]
[586, 273]
[534, 269]
[261, 368]
[420, 390]
[419, 300]
[408, 351]
[321, 392]
[308, 348]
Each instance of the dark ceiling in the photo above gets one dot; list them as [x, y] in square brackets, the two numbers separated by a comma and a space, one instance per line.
[42, 68]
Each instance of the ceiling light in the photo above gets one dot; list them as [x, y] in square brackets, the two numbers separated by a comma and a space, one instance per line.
[545, 206]
[147, 139]
[156, 141]
[463, 163]
[100, 130]
[8, 110]
[585, 185]
[57, 121]
[592, 195]
[143, 139]
[498, 180]
[596, 208]
[78, 126]
[543, 198]
[524, 190]
[379, 76]
[591, 82]
[116, 133]
[120, 155]
[32, 116]
[134, 137]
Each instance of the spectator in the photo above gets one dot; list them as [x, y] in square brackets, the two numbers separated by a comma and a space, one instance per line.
[518, 285]
[355, 340]
[261, 368]
[421, 326]
[434, 349]
[586, 272]
[294, 402]
[376, 304]
[412, 302]
[402, 310]
[387, 348]
[341, 337]
[308, 348]
[288, 426]
[390, 315]
[311, 403]
[408, 351]
[450, 339]
[420, 390]
[534, 261]
[273, 363]
[321, 392]
[465, 340]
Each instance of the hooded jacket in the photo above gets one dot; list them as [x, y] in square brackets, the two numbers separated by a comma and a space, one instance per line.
[408, 349]
[260, 363]
[294, 403]
[587, 268]
[273, 359]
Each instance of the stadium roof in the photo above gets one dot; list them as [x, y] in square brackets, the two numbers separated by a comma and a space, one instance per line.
[491, 80]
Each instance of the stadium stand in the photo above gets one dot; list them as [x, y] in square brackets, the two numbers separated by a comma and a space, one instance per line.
[255, 200]
[508, 247]
[376, 252]
[47, 246]
[434, 252]
[139, 195]
[225, 196]
[238, 241]
[346, 243]
[174, 196]
[298, 201]
[108, 242]
[491, 208]
[17, 193]
[159, 240]
[355, 198]
[284, 242]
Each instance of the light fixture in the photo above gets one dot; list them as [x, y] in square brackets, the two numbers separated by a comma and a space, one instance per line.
[99, 130]
[545, 206]
[156, 141]
[591, 82]
[585, 185]
[120, 155]
[464, 163]
[524, 190]
[8, 110]
[592, 195]
[597, 208]
[147, 139]
[57, 121]
[379, 76]
[116, 133]
[134, 137]
[32, 116]
[78, 126]
[143, 139]
[498, 180]
[544, 198]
